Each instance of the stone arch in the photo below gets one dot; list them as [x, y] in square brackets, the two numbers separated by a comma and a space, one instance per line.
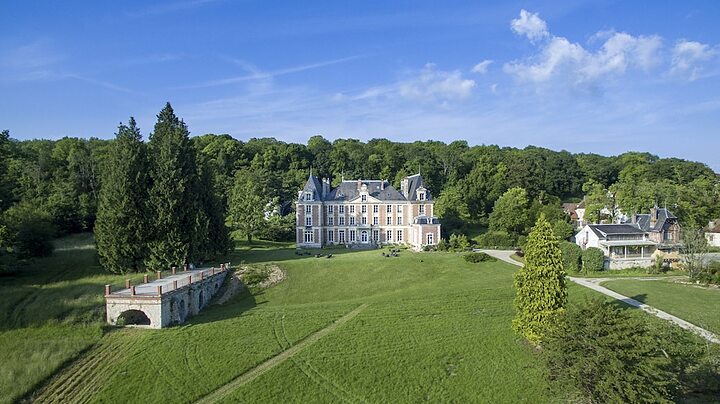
[133, 317]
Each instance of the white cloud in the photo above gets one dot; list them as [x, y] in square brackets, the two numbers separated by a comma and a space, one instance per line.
[530, 25]
[559, 57]
[482, 67]
[689, 56]
[434, 84]
[427, 85]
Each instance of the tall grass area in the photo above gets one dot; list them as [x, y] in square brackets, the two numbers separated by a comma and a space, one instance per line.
[696, 304]
[50, 311]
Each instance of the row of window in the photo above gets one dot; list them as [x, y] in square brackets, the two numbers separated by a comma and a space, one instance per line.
[363, 209]
[352, 222]
[363, 236]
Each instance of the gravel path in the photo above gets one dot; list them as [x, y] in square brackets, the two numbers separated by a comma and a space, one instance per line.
[594, 284]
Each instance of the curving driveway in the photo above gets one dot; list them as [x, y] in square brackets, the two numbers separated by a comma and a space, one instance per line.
[594, 284]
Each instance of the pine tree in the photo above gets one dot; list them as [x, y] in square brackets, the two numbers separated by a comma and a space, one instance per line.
[541, 292]
[212, 235]
[121, 226]
[172, 200]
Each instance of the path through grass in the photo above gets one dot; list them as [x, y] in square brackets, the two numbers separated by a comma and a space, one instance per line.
[696, 304]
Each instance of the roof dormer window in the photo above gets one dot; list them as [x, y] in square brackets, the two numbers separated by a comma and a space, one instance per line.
[363, 198]
[308, 196]
[422, 196]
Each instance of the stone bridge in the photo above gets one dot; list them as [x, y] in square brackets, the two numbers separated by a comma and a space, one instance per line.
[166, 300]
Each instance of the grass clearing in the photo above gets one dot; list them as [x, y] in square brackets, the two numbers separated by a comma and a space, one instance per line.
[696, 304]
[435, 328]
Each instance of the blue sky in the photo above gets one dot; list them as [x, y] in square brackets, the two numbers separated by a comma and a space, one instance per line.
[586, 76]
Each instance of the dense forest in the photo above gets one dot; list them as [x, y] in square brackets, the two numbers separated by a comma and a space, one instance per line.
[51, 188]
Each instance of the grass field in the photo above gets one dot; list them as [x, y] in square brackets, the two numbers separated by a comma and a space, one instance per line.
[696, 304]
[435, 328]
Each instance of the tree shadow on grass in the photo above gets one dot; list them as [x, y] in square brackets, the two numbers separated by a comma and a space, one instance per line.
[235, 307]
[261, 252]
[642, 298]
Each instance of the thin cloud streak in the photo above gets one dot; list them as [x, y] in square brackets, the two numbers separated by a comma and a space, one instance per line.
[257, 74]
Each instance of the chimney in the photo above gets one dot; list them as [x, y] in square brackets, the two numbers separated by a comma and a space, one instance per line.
[325, 187]
[653, 215]
[405, 187]
[382, 185]
[359, 184]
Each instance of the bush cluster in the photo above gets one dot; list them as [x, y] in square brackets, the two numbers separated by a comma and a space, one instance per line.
[611, 354]
[478, 257]
[593, 260]
[256, 274]
[711, 274]
[456, 242]
[571, 256]
[498, 239]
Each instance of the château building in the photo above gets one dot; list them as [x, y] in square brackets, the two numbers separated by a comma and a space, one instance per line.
[366, 212]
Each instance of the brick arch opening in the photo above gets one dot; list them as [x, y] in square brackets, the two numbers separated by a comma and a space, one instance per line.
[133, 317]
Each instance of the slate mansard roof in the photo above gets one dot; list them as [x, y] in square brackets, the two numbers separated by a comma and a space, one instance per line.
[414, 183]
[379, 189]
[313, 185]
[662, 216]
[603, 230]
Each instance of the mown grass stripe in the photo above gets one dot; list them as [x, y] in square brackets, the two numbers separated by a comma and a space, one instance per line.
[251, 374]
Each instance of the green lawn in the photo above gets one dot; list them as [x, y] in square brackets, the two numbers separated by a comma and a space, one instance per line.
[696, 304]
[436, 328]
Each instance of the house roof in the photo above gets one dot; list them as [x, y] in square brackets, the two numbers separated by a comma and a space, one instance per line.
[415, 182]
[662, 216]
[426, 220]
[713, 227]
[569, 208]
[314, 185]
[603, 230]
[348, 190]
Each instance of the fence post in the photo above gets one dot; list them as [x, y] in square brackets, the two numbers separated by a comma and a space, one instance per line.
[159, 290]
[173, 270]
[127, 283]
[174, 285]
[107, 290]
[132, 290]
[159, 274]
[145, 278]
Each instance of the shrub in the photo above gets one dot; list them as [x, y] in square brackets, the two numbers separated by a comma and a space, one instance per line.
[571, 254]
[478, 257]
[711, 274]
[443, 245]
[593, 260]
[614, 355]
[255, 274]
[497, 239]
[458, 242]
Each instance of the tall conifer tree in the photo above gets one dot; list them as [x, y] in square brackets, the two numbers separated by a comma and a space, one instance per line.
[541, 291]
[121, 226]
[172, 202]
